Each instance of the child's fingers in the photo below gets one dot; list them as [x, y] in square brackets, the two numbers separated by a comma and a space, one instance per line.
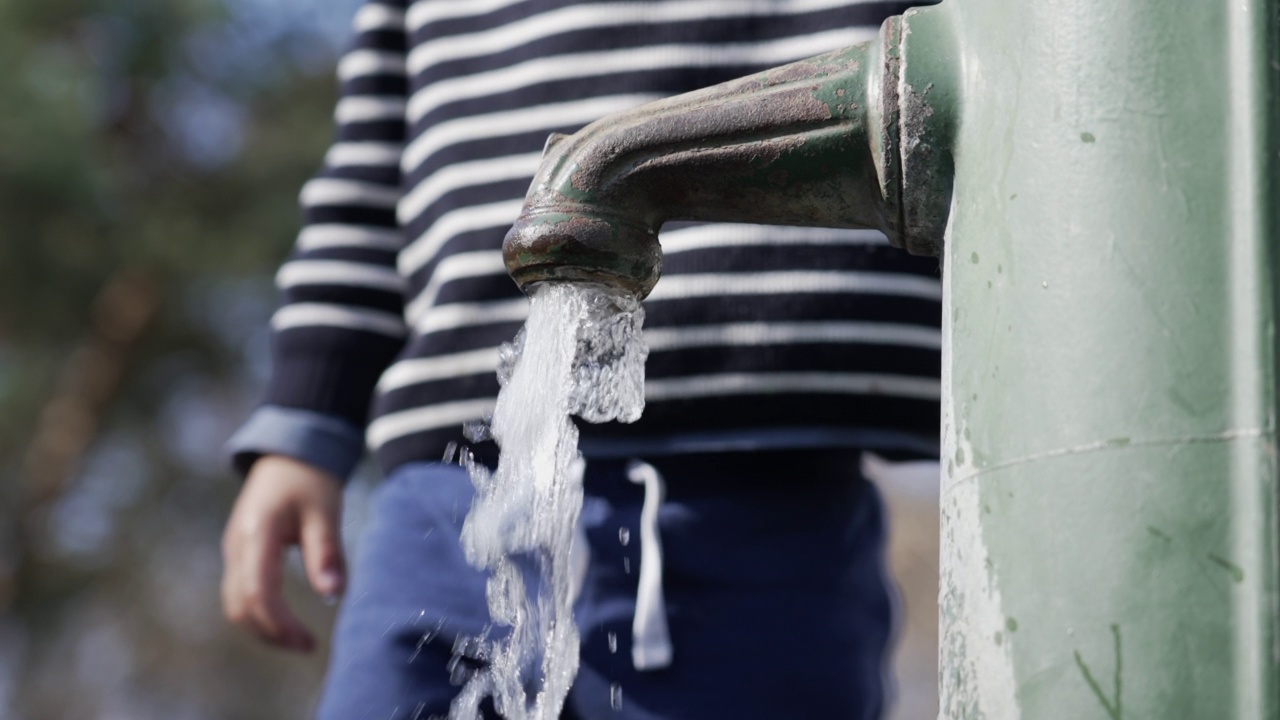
[322, 551]
[253, 589]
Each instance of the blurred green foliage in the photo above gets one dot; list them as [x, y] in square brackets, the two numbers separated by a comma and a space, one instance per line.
[150, 156]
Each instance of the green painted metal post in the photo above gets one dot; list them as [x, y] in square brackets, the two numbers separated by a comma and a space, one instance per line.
[1110, 461]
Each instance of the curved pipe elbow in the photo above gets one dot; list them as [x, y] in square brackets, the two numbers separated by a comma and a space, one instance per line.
[814, 143]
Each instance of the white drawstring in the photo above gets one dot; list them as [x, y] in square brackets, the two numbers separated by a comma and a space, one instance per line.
[579, 550]
[650, 639]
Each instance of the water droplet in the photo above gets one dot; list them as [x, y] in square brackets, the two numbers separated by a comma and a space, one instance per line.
[613, 643]
[1044, 284]
[615, 696]
[459, 671]
[624, 535]
[477, 431]
[626, 565]
[427, 637]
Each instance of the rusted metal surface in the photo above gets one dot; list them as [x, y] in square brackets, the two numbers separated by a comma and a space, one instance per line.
[885, 140]
[814, 143]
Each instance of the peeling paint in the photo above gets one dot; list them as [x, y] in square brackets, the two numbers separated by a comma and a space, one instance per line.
[977, 679]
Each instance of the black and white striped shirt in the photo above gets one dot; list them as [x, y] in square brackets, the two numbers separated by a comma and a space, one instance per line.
[396, 293]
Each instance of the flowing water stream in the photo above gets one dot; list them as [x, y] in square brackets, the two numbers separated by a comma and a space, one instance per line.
[580, 353]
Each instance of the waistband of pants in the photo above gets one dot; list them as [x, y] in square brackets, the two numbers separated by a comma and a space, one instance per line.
[714, 474]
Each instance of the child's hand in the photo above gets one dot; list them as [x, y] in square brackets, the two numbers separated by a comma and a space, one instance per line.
[283, 502]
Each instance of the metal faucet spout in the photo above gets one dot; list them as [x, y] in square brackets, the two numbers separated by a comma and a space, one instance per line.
[814, 143]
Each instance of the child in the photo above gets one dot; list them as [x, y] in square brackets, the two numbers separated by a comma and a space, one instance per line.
[772, 368]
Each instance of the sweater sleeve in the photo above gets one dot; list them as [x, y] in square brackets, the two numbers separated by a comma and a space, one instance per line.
[321, 441]
[341, 322]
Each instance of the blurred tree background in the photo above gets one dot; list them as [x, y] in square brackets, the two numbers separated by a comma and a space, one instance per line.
[151, 152]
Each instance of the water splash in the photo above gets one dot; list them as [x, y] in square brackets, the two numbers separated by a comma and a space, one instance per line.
[580, 353]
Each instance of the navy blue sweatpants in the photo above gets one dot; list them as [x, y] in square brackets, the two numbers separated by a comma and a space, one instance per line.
[776, 600]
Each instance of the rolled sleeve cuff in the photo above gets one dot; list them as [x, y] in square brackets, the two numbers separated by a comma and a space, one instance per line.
[324, 441]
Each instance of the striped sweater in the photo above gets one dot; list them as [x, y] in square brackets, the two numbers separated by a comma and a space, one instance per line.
[396, 299]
